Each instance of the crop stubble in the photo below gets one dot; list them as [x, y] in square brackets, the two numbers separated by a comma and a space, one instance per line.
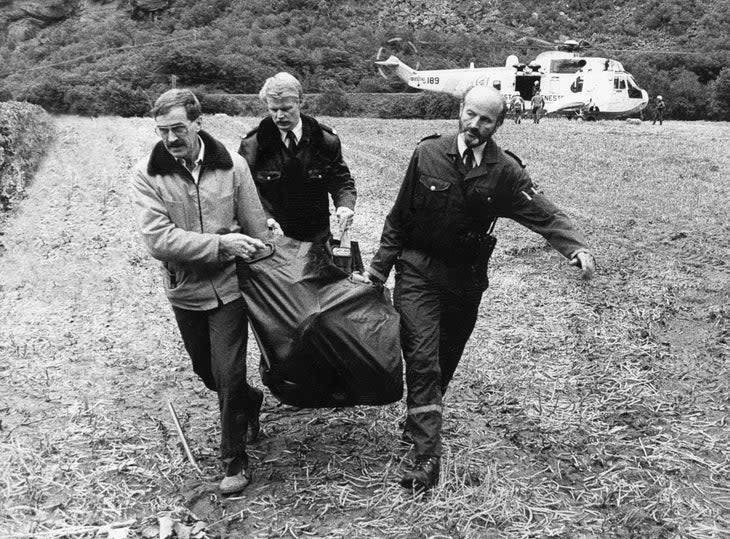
[580, 409]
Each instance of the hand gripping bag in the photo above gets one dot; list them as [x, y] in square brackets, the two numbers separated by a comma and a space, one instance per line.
[325, 341]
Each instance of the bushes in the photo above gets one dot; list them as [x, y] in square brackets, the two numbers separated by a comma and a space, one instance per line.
[426, 105]
[25, 131]
[332, 101]
[224, 104]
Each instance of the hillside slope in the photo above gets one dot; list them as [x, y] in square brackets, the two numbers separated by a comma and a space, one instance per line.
[96, 56]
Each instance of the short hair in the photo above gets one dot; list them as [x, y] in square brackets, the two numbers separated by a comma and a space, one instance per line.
[503, 102]
[178, 97]
[281, 85]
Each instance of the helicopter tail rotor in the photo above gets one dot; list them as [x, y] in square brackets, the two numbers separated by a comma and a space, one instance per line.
[391, 50]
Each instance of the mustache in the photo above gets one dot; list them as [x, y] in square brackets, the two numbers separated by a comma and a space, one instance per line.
[175, 144]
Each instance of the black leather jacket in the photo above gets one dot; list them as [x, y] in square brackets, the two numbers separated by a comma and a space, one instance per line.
[294, 189]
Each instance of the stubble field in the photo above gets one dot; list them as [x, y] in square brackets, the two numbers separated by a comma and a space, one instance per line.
[580, 409]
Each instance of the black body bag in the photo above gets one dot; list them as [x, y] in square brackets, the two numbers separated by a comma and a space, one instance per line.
[325, 341]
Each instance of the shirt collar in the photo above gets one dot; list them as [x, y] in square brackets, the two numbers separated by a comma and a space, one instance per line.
[478, 150]
[297, 132]
[201, 154]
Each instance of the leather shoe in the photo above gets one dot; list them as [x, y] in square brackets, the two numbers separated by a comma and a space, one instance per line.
[237, 476]
[423, 474]
[256, 397]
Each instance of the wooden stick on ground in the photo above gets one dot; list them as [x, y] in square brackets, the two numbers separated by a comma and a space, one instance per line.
[181, 434]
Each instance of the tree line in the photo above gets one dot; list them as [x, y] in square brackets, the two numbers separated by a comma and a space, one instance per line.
[118, 63]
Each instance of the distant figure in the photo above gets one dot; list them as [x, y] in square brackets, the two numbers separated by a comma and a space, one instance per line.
[659, 106]
[518, 108]
[538, 105]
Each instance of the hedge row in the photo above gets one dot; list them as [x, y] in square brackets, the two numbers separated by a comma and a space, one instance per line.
[426, 105]
[25, 131]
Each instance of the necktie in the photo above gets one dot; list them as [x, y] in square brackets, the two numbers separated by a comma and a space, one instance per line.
[291, 142]
[468, 159]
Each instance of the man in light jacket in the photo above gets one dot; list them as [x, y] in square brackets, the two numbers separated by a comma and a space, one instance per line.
[197, 209]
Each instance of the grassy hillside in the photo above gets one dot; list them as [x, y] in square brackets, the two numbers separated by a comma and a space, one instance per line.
[580, 409]
[104, 59]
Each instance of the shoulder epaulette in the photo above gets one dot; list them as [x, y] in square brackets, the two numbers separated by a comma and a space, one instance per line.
[327, 128]
[516, 158]
[434, 135]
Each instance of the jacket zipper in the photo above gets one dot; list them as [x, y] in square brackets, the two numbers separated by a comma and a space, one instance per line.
[197, 190]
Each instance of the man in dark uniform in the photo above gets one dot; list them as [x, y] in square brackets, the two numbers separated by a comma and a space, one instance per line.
[296, 162]
[437, 236]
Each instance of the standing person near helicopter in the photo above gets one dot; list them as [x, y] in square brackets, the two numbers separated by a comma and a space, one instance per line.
[518, 107]
[659, 106]
[538, 104]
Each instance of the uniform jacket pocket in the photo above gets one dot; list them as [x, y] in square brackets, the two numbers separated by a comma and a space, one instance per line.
[432, 193]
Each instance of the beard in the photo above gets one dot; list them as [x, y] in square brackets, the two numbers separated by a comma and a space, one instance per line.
[473, 137]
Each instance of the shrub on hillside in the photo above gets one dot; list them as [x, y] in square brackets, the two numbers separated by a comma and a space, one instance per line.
[25, 131]
[434, 106]
[122, 100]
[224, 104]
[332, 101]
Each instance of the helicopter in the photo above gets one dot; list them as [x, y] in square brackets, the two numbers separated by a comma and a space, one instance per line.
[574, 85]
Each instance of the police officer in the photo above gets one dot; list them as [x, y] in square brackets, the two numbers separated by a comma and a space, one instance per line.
[437, 237]
[296, 162]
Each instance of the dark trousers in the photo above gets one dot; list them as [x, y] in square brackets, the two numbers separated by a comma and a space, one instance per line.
[216, 342]
[435, 326]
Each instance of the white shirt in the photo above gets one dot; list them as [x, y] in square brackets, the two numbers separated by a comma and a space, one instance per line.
[297, 133]
[198, 164]
[478, 150]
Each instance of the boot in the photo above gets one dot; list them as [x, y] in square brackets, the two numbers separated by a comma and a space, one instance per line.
[423, 474]
[237, 475]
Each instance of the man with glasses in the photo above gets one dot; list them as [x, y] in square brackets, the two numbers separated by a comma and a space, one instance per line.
[197, 209]
[296, 162]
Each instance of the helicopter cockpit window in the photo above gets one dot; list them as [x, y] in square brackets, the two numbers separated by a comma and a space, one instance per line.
[619, 83]
[497, 84]
[634, 90]
[566, 65]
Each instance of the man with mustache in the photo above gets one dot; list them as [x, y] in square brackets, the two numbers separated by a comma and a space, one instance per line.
[296, 163]
[438, 238]
[197, 209]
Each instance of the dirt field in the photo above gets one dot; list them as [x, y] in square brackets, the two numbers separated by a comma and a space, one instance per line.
[579, 410]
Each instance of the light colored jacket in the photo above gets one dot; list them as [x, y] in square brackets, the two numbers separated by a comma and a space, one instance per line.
[181, 221]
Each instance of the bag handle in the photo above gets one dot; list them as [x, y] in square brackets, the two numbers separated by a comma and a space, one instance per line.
[267, 252]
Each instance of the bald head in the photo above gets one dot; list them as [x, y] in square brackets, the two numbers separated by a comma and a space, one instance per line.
[486, 97]
[482, 111]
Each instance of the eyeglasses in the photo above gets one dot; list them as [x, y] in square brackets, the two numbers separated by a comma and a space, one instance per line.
[177, 130]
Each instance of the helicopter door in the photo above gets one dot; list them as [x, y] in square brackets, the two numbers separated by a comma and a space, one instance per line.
[619, 95]
[524, 85]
